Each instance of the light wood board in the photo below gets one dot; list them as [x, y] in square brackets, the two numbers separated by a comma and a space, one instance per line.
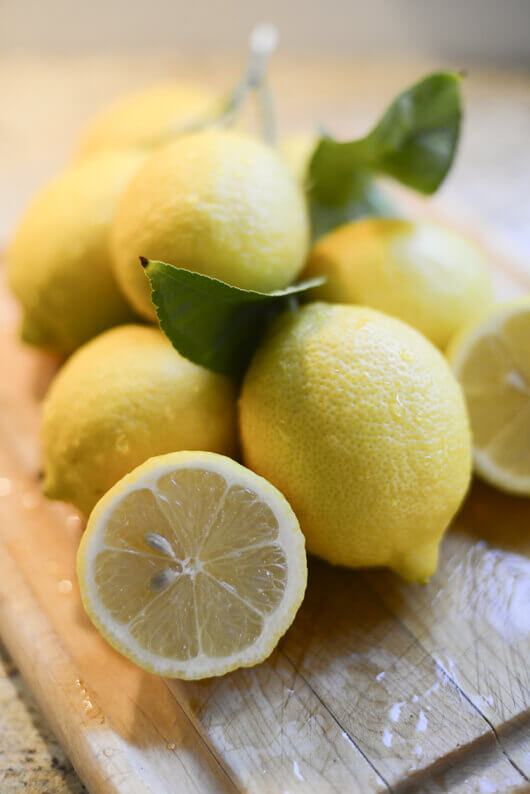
[378, 685]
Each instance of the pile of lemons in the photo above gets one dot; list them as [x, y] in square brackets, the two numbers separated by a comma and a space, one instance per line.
[351, 418]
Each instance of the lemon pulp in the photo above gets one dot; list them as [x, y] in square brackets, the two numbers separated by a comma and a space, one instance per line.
[492, 362]
[194, 570]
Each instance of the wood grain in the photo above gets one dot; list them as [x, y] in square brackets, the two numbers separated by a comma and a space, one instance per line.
[378, 686]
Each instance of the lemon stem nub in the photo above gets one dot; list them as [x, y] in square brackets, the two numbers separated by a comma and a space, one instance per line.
[419, 565]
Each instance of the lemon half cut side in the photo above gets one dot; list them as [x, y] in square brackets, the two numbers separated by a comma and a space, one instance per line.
[491, 359]
[192, 566]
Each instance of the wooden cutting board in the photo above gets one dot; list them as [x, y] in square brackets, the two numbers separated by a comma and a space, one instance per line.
[377, 686]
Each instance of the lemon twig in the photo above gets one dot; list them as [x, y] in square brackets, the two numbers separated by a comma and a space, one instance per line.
[262, 44]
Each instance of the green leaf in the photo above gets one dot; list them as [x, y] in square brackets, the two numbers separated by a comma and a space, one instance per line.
[366, 198]
[414, 142]
[210, 322]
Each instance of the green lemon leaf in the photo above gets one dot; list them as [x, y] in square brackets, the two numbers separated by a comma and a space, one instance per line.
[210, 322]
[414, 142]
[365, 198]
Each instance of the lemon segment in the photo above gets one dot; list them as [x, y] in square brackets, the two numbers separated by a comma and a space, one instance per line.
[491, 359]
[192, 566]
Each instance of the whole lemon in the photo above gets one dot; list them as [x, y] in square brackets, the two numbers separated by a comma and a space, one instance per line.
[422, 272]
[122, 398]
[147, 117]
[219, 203]
[298, 149]
[359, 421]
[59, 260]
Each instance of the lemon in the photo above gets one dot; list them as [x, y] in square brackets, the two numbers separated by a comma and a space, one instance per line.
[147, 117]
[126, 396]
[218, 203]
[422, 272]
[491, 359]
[59, 260]
[298, 149]
[358, 420]
[192, 566]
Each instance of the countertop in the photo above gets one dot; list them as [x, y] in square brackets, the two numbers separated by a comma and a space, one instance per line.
[31, 760]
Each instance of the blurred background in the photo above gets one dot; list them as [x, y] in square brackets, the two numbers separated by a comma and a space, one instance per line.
[338, 64]
[468, 30]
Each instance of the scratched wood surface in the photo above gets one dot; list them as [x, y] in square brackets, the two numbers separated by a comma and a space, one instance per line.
[378, 685]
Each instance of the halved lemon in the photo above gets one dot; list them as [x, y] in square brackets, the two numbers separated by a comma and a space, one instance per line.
[192, 565]
[491, 359]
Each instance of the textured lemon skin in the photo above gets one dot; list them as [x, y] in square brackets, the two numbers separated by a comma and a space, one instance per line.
[122, 398]
[145, 475]
[462, 351]
[421, 272]
[147, 117]
[359, 421]
[59, 260]
[218, 203]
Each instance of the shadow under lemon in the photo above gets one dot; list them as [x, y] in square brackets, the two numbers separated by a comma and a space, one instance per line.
[500, 519]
